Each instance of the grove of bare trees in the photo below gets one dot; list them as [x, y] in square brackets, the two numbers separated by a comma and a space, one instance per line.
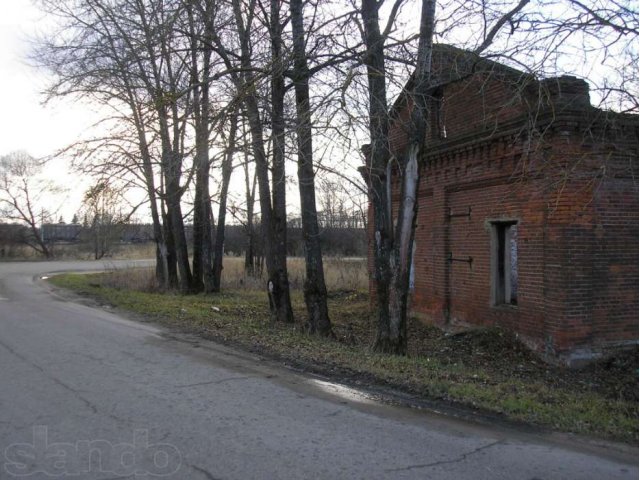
[196, 93]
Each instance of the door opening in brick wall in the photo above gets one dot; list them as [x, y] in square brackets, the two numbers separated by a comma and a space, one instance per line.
[504, 262]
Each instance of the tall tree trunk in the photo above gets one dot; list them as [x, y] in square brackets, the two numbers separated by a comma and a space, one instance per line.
[392, 253]
[377, 158]
[208, 250]
[227, 166]
[278, 285]
[174, 210]
[158, 78]
[182, 252]
[264, 190]
[172, 271]
[202, 238]
[37, 234]
[162, 268]
[199, 211]
[250, 194]
[249, 252]
[170, 122]
[278, 277]
[315, 290]
[162, 273]
[405, 229]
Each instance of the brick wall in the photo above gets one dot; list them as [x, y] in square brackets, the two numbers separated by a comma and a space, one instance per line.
[569, 182]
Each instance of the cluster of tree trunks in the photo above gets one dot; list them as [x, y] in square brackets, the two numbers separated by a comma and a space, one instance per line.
[198, 85]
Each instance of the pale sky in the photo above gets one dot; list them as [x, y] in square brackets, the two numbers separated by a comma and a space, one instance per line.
[25, 123]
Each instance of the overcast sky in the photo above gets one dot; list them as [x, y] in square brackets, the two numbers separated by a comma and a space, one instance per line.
[25, 123]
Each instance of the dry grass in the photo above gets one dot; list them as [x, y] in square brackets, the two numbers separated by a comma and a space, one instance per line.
[138, 279]
[341, 274]
[119, 251]
[346, 274]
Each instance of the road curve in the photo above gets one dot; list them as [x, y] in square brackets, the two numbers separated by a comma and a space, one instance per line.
[88, 394]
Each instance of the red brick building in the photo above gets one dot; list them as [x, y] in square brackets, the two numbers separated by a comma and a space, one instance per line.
[528, 209]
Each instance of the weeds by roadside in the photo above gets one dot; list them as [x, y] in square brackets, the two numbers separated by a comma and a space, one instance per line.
[341, 275]
[486, 369]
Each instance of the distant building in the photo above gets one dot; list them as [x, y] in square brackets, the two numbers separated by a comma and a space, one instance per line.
[136, 233]
[60, 232]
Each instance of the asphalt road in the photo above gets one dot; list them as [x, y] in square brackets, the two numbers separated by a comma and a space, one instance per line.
[85, 393]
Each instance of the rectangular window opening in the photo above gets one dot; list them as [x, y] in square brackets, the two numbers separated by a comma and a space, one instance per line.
[504, 259]
[412, 271]
[439, 114]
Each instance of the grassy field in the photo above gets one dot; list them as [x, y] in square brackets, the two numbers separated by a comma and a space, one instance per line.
[483, 369]
[77, 251]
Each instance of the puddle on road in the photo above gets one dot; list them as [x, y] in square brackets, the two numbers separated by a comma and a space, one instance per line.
[342, 391]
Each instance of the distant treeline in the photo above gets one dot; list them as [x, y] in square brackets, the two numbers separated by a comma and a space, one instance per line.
[335, 241]
[349, 242]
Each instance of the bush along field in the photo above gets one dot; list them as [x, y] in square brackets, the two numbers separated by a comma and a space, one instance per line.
[486, 370]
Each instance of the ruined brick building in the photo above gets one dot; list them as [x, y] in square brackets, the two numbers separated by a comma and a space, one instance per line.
[528, 209]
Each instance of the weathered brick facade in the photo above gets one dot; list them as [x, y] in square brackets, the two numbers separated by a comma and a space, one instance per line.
[536, 160]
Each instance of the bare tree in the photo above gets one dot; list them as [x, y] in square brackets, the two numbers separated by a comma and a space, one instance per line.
[227, 168]
[395, 339]
[104, 216]
[163, 80]
[315, 290]
[377, 159]
[246, 81]
[146, 55]
[24, 192]
[101, 64]
[277, 220]
[250, 195]
[207, 263]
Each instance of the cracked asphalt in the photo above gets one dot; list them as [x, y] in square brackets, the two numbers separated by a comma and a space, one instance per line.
[86, 393]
